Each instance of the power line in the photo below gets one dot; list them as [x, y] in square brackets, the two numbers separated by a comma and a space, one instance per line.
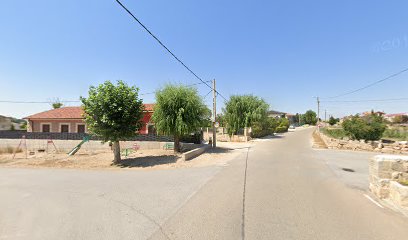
[371, 84]
[7, 101]
[367, 100]
[164, 46]
[207, 94]
[76, 101]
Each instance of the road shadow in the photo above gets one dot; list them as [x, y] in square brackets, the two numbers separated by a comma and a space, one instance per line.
[147, 161]
[272, 137]
[219, 150]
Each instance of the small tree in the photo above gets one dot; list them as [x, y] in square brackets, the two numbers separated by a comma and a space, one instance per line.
[179, 110]
[310, 117]
[333, 120]
[243, 111]
[56, 103]
[113, 112]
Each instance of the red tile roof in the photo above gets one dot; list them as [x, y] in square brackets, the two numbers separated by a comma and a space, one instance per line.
[69, 113]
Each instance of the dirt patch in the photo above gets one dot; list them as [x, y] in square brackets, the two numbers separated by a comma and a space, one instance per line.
[318, 141]
[144, 159]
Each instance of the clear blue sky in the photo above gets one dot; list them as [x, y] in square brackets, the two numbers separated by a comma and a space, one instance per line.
[284, 51]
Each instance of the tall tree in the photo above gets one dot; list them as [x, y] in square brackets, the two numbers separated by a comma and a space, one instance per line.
[179, 110]
[113, 112]
[243, 110]
[310, 117]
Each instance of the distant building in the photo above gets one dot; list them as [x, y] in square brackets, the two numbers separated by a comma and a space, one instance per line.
[378, 113]
[391, 117]
[71, 120]
[5, 123]
[276, 114]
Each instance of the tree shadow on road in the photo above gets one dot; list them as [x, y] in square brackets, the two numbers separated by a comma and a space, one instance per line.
[147, 161]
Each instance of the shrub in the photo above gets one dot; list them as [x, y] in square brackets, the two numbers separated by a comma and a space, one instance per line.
[400, 134]
[369, 127]
[281, 129]
[337, 133]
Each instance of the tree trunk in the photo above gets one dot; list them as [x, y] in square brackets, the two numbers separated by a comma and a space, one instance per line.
[116, 152]
[176, 144]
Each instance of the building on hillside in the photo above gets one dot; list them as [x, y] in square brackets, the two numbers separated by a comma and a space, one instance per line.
[378, 113]
[276, 114]
[391, 117]
[70, 120]
[5, 123]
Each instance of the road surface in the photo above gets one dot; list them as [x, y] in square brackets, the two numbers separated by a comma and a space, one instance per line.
[280, 188]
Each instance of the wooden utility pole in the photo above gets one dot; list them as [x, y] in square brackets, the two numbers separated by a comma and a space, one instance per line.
[318, 113]
[214, 115]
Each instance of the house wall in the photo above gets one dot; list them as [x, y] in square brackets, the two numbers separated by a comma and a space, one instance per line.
[35, 125]
[146, 120]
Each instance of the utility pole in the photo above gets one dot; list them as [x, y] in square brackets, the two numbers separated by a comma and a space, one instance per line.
[214, 115]
[318, 113]
[325, 112]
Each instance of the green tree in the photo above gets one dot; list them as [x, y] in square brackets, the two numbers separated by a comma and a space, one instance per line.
[370, 127]
[333, 120]
[179, 110]
[56, 103]
[113, 112]
[23, 125]
[243, 110]
[310, 117]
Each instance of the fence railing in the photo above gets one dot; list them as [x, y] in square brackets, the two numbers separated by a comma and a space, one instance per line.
[18, 134]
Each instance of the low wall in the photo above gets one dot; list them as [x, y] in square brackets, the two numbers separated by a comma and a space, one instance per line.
[222, 135]
[34, 145]
[195, 152]
[355, 145]
[385, 173]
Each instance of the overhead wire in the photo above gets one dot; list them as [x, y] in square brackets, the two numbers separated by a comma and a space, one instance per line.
[370, 85]
[167, 49]
[76, 101]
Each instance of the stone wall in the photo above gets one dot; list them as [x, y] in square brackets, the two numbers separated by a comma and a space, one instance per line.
[355, 145]
[385, 173]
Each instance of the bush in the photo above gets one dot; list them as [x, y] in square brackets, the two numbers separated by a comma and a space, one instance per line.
[399, 134]
[369, 127]
[337, 133]
[283, 125]
[281, 129]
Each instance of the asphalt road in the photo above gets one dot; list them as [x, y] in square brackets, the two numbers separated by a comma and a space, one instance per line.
[290, 192]
[280, 188]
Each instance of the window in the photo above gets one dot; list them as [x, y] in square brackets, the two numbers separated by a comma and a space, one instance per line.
[81, 128]
[45, 128]
[64, 128]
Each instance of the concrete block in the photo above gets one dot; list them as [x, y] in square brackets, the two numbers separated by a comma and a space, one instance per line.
[194, 153]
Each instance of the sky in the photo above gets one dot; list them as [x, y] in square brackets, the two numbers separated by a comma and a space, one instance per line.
[287, 52]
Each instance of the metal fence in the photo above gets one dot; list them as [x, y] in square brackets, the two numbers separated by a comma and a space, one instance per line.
[76, 136]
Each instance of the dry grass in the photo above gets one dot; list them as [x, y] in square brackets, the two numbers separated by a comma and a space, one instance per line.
[403, 182]
[8, 150]
[143, 159]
